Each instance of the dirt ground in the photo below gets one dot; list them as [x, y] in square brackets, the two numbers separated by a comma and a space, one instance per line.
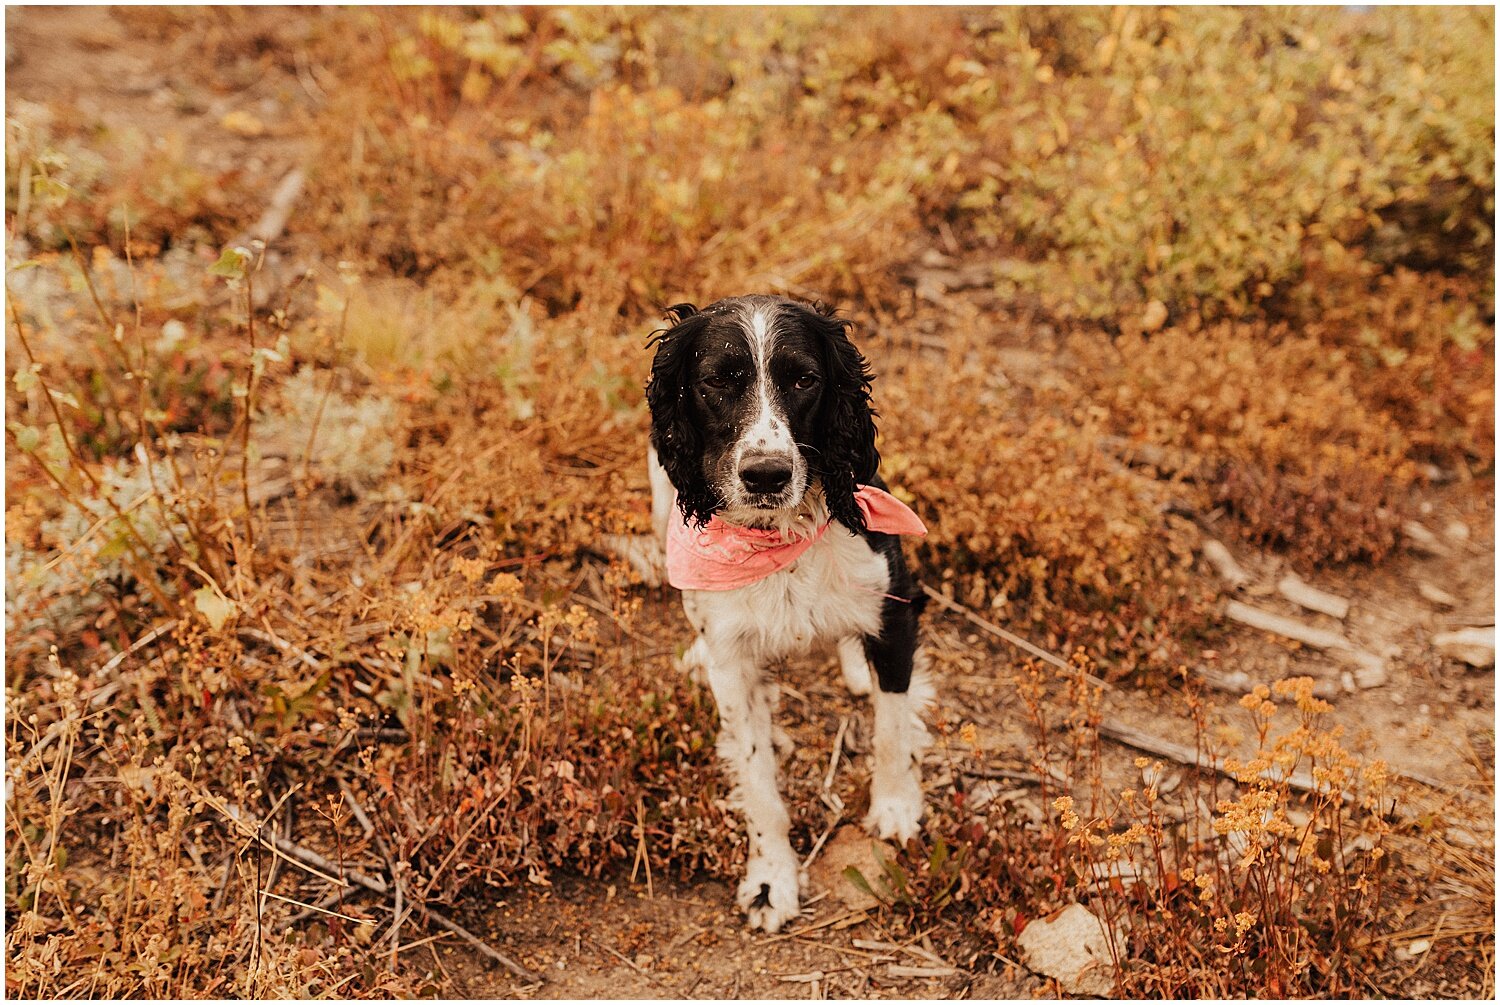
[1432, 719]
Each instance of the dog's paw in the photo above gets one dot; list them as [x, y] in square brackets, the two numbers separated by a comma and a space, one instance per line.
[771, 892]
[895, 816]
[644, 553]
[856, 667]
[694, 662]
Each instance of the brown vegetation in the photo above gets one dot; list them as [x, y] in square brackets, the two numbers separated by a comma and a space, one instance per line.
[303, 542]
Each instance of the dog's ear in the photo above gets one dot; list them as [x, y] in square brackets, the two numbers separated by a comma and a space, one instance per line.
[845, 455]
[676, 437]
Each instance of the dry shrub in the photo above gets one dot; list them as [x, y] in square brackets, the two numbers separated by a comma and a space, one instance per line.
[1192, 157]
[123, 892]
[65, 184]
[1271, 874]
[565, 161]
[408, 605]
[1422, 348]
[1030, 517]
[1282, 438]
[1254, 881]
[1010, 527]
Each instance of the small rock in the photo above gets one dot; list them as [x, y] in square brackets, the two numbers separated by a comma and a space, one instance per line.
[1474, 646]
[1154, 316]
[1072, 946]
[850, 846]
[1436, 595]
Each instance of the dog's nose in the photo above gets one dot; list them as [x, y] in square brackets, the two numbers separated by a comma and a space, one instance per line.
[766, 475]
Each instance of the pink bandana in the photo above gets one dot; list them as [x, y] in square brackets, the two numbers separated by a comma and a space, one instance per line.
[722, 556]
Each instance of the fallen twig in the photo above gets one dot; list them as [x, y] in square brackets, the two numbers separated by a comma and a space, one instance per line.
[1294, 589]
[1419, 538]
[897, 970]
[311, 858]
[331, 873]
[356, 809]
[1290, 628]
[1006, 774]
[1183, 754]
[311, 908]
[482, 946]
[835, 920]
[102, 695]
[822, 840]
[1224, 563]
[283, 646]
[1011, 637]
[838, 750]
[625, 960]
[321, 907]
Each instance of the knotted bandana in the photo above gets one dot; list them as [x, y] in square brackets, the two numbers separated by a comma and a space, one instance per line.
[723, 556]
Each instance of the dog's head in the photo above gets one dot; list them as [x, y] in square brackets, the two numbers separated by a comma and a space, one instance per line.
[754, 400]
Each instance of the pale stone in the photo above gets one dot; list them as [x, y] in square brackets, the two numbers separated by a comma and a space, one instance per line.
[850, 846]
[1072, 946]
[1474, 646]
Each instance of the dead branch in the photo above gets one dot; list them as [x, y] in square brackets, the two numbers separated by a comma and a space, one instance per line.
[1014, 639]
[1224, 563]
[625, 960]
[1371, 669]
[1183, 754]
[898, 970]
[1294, 589]
[482, 946]
[1290, 628]
[375, 885]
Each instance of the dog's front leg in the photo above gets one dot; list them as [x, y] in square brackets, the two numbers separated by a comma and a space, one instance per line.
[769, 893]
[902, 694]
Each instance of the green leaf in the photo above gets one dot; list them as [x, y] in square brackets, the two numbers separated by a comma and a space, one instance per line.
[26, 436]
[231, 264]
[26, 379]
[858, 881]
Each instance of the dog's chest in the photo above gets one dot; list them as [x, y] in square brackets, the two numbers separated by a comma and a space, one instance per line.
[835, 589]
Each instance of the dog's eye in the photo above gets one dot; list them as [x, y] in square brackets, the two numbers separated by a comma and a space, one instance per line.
[718, 381]
[806, 381]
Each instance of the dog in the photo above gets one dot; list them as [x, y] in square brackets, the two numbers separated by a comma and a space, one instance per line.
[772, 521]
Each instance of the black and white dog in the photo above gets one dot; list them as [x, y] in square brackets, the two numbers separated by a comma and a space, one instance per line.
[763, 459]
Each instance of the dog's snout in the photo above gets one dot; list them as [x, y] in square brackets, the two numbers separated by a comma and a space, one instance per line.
[764, 475]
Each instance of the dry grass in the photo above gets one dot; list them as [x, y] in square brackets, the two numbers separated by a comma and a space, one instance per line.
[314, 556]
